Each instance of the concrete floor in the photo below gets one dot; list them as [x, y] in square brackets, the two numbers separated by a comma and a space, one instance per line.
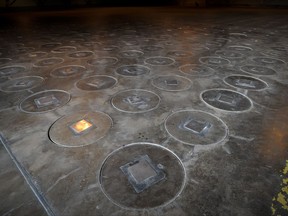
[186, 112]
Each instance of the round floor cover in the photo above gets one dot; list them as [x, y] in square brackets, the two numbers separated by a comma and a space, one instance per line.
[268, 61]
[21, 83]
[222, 40]
[98, 82]
[141, 176]
[225, 99]
[77, 40]
[51, 45]
[238, 35]
[258, 70]
[130, 42]
[90, 44]
[109, 48]
[159, 61]
[132, 70]
[11, 70]
[196, 70]
[280, 48]
[213, 45]
[81, 54]
[64, 49]
[49, 62]
[179, 54]
[23, 50]
[45, 101]
[104, 61]
[229, 54]
[245, 82]
[275, 53]
[80, 129]
[196, 127]
[135, 101]
[36, 54]
[214, 61]
[68, 71]
[240, 48]
[171, 83]
[152, 48]
[131, 54]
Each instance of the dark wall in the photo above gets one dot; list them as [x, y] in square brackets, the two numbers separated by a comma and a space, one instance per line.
[261, 3]
[183, 3]
[217, 2]
[133, 2]
[67, 3]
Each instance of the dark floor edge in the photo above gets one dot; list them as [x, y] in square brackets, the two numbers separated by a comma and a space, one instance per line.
[27, 178]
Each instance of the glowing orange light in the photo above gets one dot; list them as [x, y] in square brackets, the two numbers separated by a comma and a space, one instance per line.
[81, 126]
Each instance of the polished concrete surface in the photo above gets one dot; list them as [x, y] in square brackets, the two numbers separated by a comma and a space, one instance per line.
[144, 111]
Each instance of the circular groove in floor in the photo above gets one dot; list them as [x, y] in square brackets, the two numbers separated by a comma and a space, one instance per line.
[196, 70]
[37, 54]
[46, 62]
[102, 61]
[21, 83]
[258, 70]
[229, 54]
[132, 70]
[159, 61]
[11, 70]
[142, 176]
[131, 54]
[135, 101]
[172, 83]
[152, 48]
[179, 54]
[68, 71]
[50, 45]
[245, 82]
[81, 54]
[214, 61]
[64, 49]
[80, 129]
[227, 100]
[45, 101]
[196, 127]
[268, 61]
[95, 83]
[239, 48]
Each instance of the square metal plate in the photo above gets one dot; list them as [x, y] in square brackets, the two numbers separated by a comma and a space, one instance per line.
[142, 173]
[197, 127]
[135, 100]
[22, 84]
[96, 84]
[171, 82]
[46, 101]
[80, 127]
[67, 71]
[245, 83]
[227, 99]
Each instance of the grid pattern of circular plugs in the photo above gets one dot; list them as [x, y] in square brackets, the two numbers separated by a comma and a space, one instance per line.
[134, 175]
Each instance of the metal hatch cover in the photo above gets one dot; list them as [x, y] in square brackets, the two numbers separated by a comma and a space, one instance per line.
[142, 173]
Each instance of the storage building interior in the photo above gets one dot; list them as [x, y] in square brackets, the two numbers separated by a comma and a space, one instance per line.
[133, 108]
